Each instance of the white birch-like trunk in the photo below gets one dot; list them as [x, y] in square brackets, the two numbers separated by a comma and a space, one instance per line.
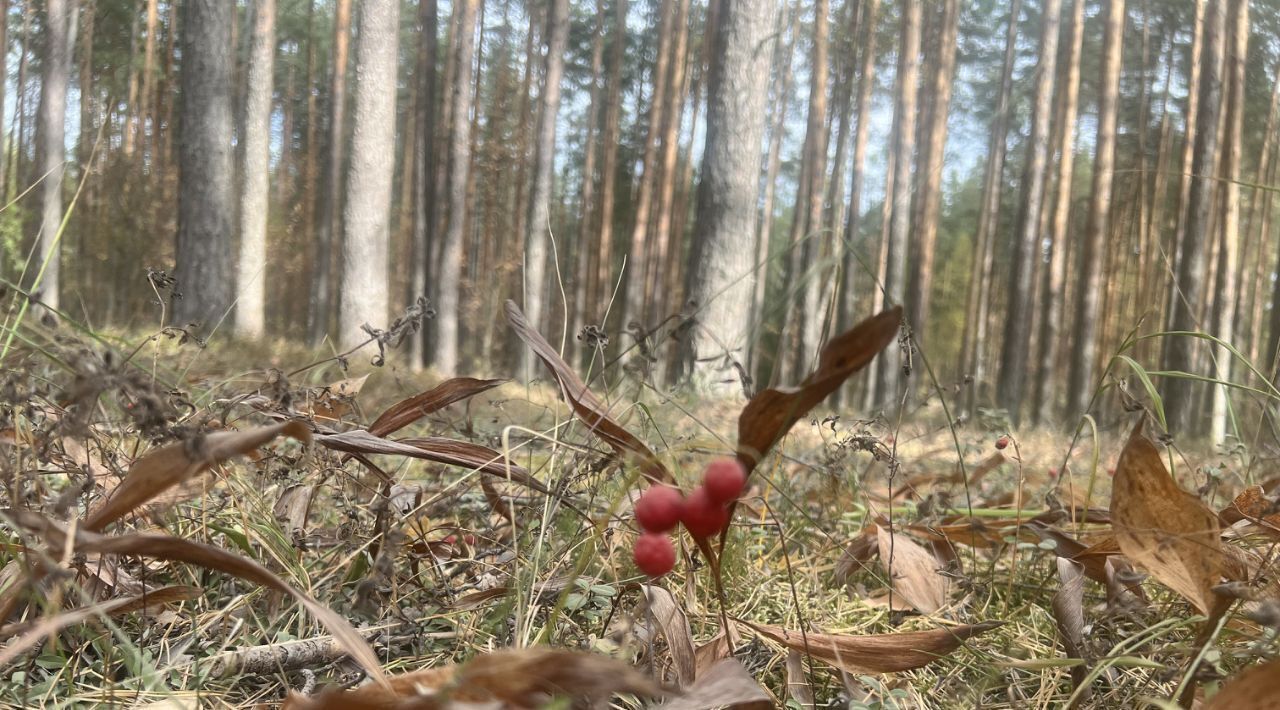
[250, 271]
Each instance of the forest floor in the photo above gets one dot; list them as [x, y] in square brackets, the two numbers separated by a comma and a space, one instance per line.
[165, 519]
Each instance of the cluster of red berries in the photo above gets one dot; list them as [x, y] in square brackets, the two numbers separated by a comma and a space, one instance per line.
[704, 513]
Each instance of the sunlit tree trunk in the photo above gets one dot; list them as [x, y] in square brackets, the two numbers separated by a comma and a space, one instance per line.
[20, 115]
[1191, 120]
[602, 277]
[663, 242]
[808, 259]
[50, 148]
[425, 195]
[251, 277]
[586, 201]
[1260, 229]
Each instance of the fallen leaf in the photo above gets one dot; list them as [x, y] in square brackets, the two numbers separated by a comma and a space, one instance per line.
[294, 505]
[879, 653]
[1068, 613]
[1252, 504]
[333, 402]
[797, 684]
[710, 653]
[772, 412]
[913, 571]
[725, 685]
[405, 412]
[432, 448]
[170, 465]
[1255, 688]
[1162, 528]
[675, 629]
[584, 402]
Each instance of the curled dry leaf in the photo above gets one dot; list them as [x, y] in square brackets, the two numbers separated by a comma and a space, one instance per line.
[165, 547]
[520, 678]
[333, 402]
[725, 685]
[913, 571]
[1257, 688]
[797, 683]
[583, 401]
[405, 412]
[1068, 612]
[1252, 504]
[1162, 528]
[674, 623]
[174, 463]
[710, 653]
[772, 412]
[879, 653]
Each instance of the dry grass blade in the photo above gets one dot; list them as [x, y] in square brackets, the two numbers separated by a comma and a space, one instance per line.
[584, 403]
[520, 678]
[1068, 612]
[175, 549]
[725, 685]
[881, 653]
[675, 629]
[771, 413]
[1257, 688]
[1162, 528]
[408, 411]
[913, 571]
[170, 465]
[433, 448]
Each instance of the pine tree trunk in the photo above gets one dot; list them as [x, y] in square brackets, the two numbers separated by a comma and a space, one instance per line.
[251, 299]
[50, 148]
[656, 295]
[817, 248]
[1192, 267]
[20, 115]
[425, 197]
[1016, 350]
[205, 203]
[586, 202]
[1260, 228]
[331, 202]
[148, 72]
[853, 223]
[1191, 121]
[4, 72]
[602, 278]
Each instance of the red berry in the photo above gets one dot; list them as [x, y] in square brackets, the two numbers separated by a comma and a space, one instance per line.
[704, 517]
[654, 554]
[1053, 472]
[1002, 442]
[659, 509]
[724, 480]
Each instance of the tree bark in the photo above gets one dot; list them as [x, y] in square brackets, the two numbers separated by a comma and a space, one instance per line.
[720, 281]
[250, 281]
[661, 241]
[425, 194]
[204, 259]
[853, 222]
[1192, 120]
[1016, 350]
[366, 236]
[602, 278]
[809, 245]
[586, 203]
[50, 148]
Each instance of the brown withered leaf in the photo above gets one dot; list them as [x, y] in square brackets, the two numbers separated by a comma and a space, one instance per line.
[333, 402]
[797, 684]
[879, 653]
[405, 412]
[1255, 688]
[583, 401]
[913, 571]
[772, 412]
[172, 464]
[433, 448]
[165, 547]
[1162, 528]
[725, 685]
[1068, 612]
[710, 653]
[525, 677]
[674, 623]
[294, 505]
[1252, 504]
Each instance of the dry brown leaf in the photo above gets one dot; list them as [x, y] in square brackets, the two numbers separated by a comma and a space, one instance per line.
[913, 571]
[521, 678]
[725, 685]
[583, 401]
[175, 549]
[1068, 612]
[710, 653]
[170, 465]
[1255, 688]
[403, 413]
[1162, 528]
[1252, 504]
[333, 402]
[879, 653]
[797, 683]
[294, 505]
[772, 412]
[675, 629]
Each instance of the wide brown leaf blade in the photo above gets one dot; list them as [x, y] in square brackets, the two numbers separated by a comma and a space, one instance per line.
[1068, 612]
[1162, 528]
[879, 653]
[913, 571]
[1257, 688]
[675, 629]
[771, 413]
[403, 413]
[165, 547]
[174, 463]
[725, 685]
[585, 405]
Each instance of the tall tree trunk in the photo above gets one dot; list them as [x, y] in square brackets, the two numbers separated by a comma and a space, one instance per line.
[977, 303]
[816, 249]
[929, 195]
[148, 73]
[366, 238]
[853, 223]
[50, 147]
[888, 388]
[602, 277]
[449, 265]
[1259, 227]
[1228, 284]
[1192, 121]
[720, 278]
[4, 73]
[1049, 383]
[1085, 349]
[84, 143]
[662, 237]
[205, 204]
[536, 256]
[1180, 352]
[331, 202]
[586, 202]
[251, 302]
[1016, 351]
[20, 115]
[424, 204]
